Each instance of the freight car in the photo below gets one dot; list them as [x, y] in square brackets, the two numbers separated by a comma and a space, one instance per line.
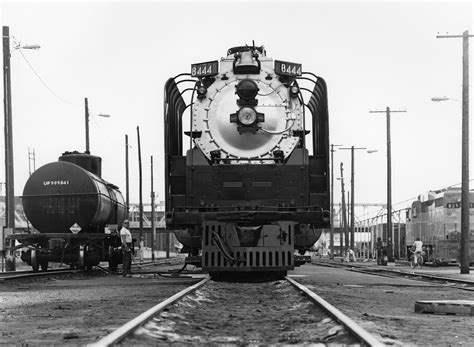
[75, 214]
[435, 217]
[247, 195]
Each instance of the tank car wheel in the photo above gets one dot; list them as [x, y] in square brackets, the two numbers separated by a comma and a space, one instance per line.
[34, 260]
[44, 266]
[82, 253]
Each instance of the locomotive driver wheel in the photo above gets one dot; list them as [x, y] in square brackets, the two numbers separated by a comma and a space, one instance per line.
[34, 260]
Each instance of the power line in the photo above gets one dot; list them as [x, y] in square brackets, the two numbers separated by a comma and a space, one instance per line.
[44, 83]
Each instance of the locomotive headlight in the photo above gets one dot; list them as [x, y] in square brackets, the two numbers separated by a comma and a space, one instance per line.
[247, 89]
[247, 115]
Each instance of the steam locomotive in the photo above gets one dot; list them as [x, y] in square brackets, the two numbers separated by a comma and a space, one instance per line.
[247, 196]
[75, 212]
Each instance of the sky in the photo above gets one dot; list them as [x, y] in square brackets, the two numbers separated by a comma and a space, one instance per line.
[119, 55]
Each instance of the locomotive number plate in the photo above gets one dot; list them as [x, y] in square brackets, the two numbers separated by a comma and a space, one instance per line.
[286, 68]
[210, 68]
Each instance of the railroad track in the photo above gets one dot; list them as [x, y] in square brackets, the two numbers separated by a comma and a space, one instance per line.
[30, 274]
[397, 273]
[211, 312]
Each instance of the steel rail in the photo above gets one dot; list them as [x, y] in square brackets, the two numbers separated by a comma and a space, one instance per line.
[38, 274]
[394, 273]
[122, 332]
[364, 336]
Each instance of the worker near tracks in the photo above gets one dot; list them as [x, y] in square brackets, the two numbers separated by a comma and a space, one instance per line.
[142, 249]
[379, 249]
[126, 238]
[417, 249]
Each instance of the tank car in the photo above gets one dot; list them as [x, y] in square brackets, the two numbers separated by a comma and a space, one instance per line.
[75, 214]
[435, 217]
[251, 193]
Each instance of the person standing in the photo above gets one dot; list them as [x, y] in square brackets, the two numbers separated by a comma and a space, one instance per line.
[417, 250]
[142, 249]
[379, 249]
[126, 238]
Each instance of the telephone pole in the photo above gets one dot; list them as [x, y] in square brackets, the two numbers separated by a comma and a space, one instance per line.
[389, 183]
[465, 218]
[331, 239]
[31, 158]
[86, 113]
[140, 183]
[152, 195]
[344, 214]
[127, 189]
[352, 148]
[7, 104]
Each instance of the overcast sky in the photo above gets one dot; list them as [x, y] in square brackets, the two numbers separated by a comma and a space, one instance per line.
[120, 54]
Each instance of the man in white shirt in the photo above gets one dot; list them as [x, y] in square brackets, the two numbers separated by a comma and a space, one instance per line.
[126, 238]
[417, 249]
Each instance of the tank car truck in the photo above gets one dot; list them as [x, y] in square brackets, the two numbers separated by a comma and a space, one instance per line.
[251, 192]
[75, 214]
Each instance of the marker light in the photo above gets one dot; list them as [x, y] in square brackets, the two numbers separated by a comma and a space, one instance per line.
[294, 91]
[202, 91]
[247, 89]
[247, 115]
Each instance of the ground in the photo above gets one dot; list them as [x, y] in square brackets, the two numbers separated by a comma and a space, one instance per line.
[385, 306]
[81, 310]
[76, 311]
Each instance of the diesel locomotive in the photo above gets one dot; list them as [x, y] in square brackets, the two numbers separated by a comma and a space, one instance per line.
[435, 218]
[74, 212]
[251, 191]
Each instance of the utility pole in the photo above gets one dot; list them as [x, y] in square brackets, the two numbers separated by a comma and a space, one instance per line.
[152, 214]
[31, 157]
[331, 239]
[389, 182]
[140, 204]
[352, 148]
[7, 104]
[86, 103]
[465, 201]
[127, 191]
[344, 214]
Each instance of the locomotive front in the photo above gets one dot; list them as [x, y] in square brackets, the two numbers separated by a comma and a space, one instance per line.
[247, 194]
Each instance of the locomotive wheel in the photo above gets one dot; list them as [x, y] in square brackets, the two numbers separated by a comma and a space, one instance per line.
[34, 260]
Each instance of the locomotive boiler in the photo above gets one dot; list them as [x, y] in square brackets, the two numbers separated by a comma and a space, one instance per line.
[251, 193]
[75, 212]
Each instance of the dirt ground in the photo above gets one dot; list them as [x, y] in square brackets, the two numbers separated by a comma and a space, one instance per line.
[76, 311]
[385, 307]
[81, 310]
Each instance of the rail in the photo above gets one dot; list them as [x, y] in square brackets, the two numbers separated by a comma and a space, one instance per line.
[122, 332]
